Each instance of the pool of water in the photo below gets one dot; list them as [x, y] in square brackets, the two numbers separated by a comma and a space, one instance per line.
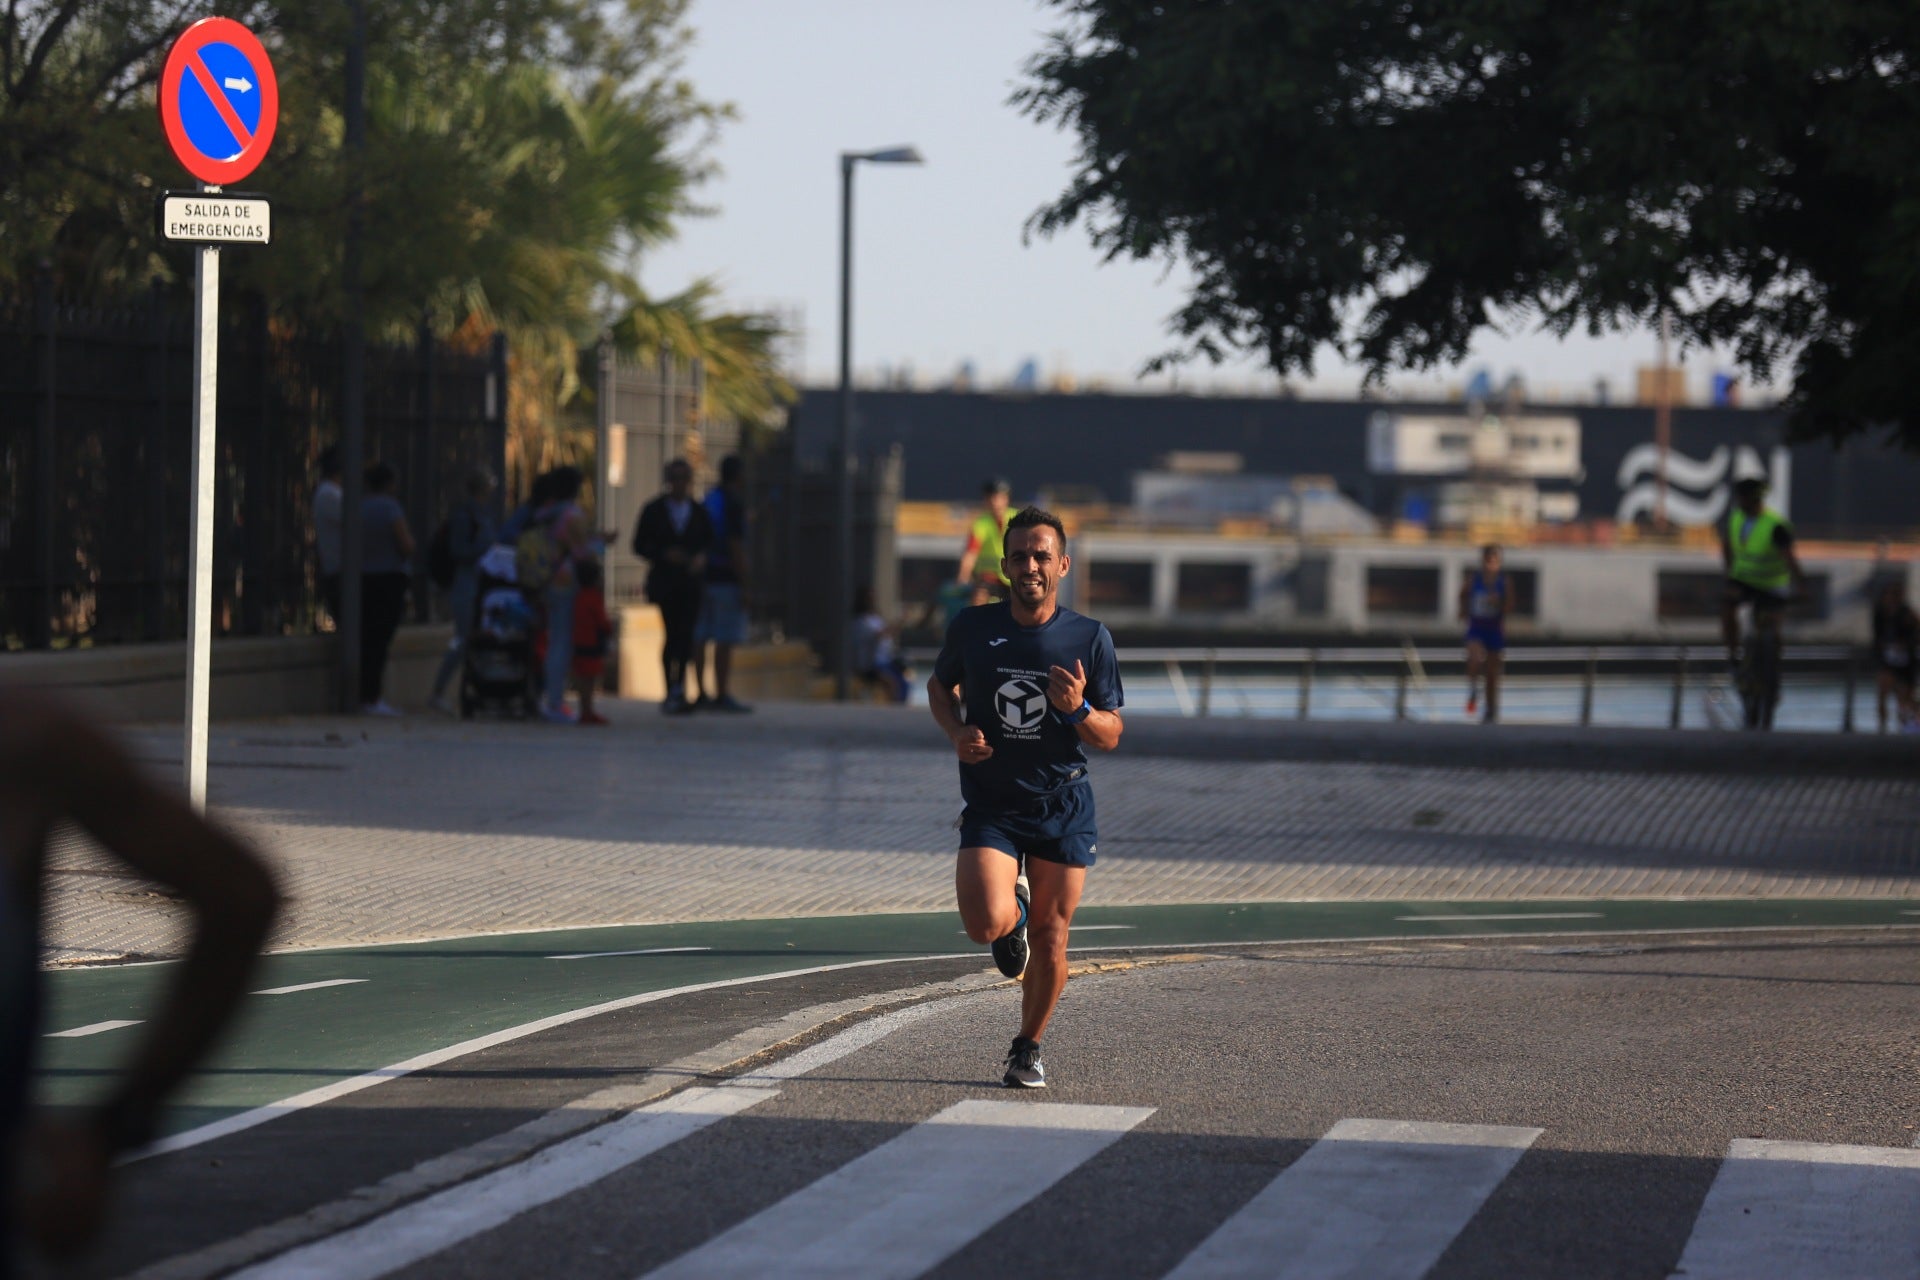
[1811, 704]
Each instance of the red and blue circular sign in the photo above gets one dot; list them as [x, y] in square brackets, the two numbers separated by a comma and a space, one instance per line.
[219, 101]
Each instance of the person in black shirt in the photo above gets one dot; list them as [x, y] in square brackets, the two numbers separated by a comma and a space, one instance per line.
[674, 535]
[1022, 687]
[1896, 633]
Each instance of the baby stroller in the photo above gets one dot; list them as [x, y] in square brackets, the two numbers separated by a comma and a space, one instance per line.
[497, 667]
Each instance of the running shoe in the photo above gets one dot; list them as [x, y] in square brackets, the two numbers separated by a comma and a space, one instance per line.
[1024, 1069]
[1010, 952]
[1473, 703]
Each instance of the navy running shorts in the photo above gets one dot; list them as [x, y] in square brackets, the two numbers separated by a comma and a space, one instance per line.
[1056, 828]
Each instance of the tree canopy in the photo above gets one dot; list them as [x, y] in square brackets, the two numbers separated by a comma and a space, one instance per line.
[1389, 177]
[520, 156]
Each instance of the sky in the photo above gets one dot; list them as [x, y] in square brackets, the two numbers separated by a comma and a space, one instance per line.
[943, 272]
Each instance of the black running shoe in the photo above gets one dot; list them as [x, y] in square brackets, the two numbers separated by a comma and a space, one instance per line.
[1010, 952]
[1024, 1069]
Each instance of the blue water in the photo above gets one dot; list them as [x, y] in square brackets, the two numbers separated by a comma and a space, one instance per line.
[1808, 704]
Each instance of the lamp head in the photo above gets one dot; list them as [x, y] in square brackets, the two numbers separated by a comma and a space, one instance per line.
[893, 155]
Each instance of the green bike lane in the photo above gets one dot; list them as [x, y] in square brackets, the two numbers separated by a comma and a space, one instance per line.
[328, 1018]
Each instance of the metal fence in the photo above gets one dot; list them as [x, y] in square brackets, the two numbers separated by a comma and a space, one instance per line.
[95, 440]
[1677, 685]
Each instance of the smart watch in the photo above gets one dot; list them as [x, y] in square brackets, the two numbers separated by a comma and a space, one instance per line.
[1080, 716]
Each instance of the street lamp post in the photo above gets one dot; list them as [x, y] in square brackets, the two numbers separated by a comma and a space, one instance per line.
[843, 507]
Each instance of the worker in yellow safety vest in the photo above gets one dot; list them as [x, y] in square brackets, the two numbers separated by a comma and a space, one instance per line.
[980, 566]
[1756, 544]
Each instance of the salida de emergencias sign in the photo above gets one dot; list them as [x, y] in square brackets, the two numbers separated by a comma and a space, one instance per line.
[205, 219]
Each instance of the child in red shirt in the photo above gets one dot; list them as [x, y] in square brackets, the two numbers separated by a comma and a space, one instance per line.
[592, 629]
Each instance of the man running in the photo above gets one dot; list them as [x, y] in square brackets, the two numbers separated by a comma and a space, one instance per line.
[1484, 603]
[1022, 687]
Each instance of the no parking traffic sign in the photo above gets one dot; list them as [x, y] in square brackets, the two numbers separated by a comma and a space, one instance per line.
[219, 101]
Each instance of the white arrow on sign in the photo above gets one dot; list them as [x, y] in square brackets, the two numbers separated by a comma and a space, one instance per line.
[239, 84]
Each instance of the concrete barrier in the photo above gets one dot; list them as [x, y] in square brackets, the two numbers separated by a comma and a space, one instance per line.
[252, 677]
[761, 672]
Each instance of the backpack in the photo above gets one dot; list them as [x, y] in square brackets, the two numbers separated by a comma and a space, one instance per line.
[535, 556]
[440, 566]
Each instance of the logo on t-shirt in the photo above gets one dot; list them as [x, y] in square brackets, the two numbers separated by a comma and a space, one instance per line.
[1022, 704]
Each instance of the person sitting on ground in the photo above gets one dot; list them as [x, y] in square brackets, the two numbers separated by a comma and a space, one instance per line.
[55, 768]
[592, 630]
[876, 653]
[1896, 634]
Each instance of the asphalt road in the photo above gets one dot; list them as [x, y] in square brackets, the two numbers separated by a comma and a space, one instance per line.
[1638, 1105]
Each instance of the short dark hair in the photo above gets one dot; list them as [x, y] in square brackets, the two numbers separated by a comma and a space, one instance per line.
[330, 462]
[732, 470]
[676, 464]
[1033, 518]
[379, 477]
[564, 484]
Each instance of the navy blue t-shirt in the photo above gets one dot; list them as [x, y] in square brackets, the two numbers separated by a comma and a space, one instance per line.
[1002, 667]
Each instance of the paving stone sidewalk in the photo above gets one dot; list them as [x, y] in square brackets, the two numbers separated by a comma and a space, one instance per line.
[427, 827]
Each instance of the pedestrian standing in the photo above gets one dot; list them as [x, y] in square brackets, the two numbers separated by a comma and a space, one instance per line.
[1896, 635]
[986, 544]
[1038, 684]
[328, 501]
[674, 535]
[570, 541]
[1484, 603]
[592, 631]
[723, 613]
[386, 556]
[470, 531]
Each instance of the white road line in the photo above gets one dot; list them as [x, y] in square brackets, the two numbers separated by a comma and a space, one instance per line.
[1372, 1200]
[421, 1062]
[1808, 1210]
[908, 1204]
[645, 951]
[1518, 915]
[308, 986]
[426, 1227]
[93, 1029]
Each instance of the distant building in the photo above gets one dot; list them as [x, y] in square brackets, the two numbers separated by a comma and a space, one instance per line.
[1582, 463]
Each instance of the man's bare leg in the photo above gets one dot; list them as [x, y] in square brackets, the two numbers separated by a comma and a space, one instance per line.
[983, 884]
[1494, 664]
[1056, 893]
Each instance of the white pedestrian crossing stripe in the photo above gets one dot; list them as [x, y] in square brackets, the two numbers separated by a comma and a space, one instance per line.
[1808, 1210]
[908, 1204]
[1372, 1200]
[459, 1213]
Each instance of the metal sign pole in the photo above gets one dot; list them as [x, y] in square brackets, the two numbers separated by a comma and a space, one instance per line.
[206, 379]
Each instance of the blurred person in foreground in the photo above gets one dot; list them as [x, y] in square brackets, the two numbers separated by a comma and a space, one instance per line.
[56, 768]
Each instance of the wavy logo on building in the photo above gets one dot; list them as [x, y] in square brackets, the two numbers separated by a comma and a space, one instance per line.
[1698, 490]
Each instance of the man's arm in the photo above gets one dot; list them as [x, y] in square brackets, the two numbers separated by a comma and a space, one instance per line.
[1783, 539]
[1067, 690]
[69, 771]
[968, 742]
